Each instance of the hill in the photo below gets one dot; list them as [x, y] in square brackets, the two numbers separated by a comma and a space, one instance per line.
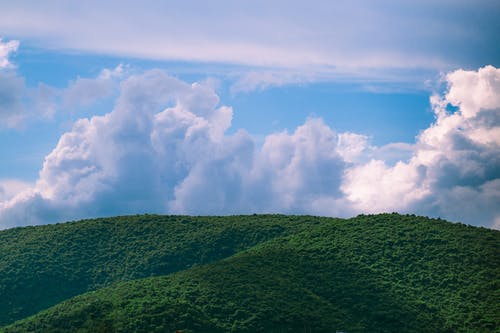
[380, 273]
[43, 265]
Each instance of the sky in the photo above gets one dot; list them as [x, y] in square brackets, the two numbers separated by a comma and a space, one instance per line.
[332, 108]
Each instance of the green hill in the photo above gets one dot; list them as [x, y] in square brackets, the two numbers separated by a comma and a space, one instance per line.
[44, 265]
[273, 273]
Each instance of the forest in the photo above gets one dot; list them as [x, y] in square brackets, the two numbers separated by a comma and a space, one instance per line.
[252, 273]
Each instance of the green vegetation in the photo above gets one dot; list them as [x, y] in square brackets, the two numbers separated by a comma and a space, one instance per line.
[44, 265]
[265, 273]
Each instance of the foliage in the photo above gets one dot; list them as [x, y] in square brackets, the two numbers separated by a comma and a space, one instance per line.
[377, 273]
[44, 265]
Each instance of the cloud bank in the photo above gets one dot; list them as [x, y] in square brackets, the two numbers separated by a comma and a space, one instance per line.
[166, 148]
[345, 35]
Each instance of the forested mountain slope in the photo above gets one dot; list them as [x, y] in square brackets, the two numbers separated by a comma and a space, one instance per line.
[378, 273]
[44, 265]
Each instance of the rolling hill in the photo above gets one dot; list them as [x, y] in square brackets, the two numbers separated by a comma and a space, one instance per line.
[44, 265]
[263, 273]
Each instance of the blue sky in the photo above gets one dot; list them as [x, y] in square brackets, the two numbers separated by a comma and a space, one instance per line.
[328, 108]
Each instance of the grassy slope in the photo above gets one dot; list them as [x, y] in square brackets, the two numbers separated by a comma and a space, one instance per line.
[384, 273]
[44, 265]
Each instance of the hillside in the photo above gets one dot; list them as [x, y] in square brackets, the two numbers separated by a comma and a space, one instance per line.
[381, 273]
[44, 265]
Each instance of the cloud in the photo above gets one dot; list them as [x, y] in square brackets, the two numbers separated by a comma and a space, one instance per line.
[377, 79]
[20, 103]
[341, 34]
[5, 49]
[302, 167]
[474, 91]
[454, 169]
[382, 45]
[496, 224]
[86, 91]
[11, 187]
[260, 80]
[132, 158]
[12, 93]
[166, 148]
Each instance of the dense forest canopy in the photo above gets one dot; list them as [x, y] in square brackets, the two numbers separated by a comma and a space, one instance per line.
[273, 273]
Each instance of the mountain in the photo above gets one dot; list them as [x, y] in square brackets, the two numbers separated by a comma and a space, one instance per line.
[263, 273]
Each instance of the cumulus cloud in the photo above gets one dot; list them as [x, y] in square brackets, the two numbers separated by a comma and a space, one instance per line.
[454, 169]
[302, 167]
[165, 147]
[133, 158]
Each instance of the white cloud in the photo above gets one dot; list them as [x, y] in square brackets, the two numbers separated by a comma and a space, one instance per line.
[43, 101]
[287, 42]
[20, 104]
[165, 148]
[454, 169]
[215, 184]
[302, 167]
[279, 34]
[260, 80]
[374, 187]
[354, 148]
[496, 224]
[12, 93]
[474, 91]
[373, 79]
[9, 188]
[5, 49]
[85, 91]
[132, 158]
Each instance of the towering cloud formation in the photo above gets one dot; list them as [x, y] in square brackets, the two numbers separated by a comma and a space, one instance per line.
[165, 148]
[455, 169]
